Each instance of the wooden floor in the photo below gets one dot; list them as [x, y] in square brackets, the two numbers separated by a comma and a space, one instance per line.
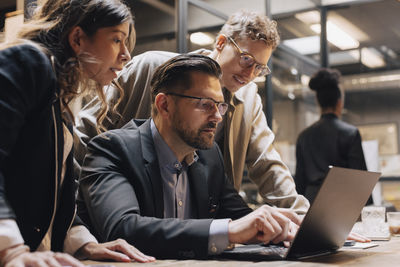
[385, 255]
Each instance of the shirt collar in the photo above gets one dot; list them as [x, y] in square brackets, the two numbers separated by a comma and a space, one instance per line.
[166, 156]
[328, 115]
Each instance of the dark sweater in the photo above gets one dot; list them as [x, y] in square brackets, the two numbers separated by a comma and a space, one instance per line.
[329, 141]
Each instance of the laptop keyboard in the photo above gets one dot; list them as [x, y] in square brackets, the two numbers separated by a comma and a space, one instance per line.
[263, 250]
[275, 250]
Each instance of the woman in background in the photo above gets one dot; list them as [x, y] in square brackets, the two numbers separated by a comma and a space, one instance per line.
[329, 141]
[66, 46]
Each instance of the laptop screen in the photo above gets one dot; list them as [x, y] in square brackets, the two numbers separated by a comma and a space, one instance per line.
[327, 223]
[334, 211]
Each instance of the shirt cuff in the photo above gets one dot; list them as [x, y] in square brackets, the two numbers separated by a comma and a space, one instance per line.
[76, 237]
[218, 239]
[9, 234]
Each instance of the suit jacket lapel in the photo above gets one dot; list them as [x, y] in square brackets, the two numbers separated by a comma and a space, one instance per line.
[152, 167]
[229, 132]
[199, 188]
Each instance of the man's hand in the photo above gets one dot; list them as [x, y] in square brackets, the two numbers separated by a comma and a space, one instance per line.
[293, 216]
[118, 250]
[265, 224]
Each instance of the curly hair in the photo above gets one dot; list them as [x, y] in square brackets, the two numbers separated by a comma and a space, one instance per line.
[247, 24]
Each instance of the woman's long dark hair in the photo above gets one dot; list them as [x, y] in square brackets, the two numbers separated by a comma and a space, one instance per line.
[49, 28]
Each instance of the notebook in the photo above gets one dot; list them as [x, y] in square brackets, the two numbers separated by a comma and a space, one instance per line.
[327, 223]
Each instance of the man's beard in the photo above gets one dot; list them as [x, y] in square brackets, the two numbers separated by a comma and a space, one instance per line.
[196, 139]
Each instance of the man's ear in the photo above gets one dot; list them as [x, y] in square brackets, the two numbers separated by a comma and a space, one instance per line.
[75, 39]
[162, 104]
[221, 42]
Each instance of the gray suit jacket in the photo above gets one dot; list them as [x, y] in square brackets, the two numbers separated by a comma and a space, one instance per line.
[122, 188]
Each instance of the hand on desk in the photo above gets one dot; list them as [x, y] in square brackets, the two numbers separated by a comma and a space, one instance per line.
[265, 224]
[118, 250]
[358, 238]
[19, 256]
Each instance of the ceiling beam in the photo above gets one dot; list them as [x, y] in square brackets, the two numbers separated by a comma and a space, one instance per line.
[161, 6]
[208, 8]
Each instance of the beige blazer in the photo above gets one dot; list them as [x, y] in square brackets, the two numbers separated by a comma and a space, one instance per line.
[249, 143]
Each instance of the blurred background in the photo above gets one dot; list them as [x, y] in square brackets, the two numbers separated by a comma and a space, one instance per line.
[359, 38]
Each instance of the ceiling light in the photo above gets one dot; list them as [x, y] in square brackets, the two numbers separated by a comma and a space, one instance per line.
[201, 38]
[309, 17]
[371, 58]
[335, 2]
[344, 57]
[294, 71]
[337, 36]
[351, 29]
[305, 45]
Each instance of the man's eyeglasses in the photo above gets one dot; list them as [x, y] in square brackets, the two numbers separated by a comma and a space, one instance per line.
[206, 104]
[247, 61]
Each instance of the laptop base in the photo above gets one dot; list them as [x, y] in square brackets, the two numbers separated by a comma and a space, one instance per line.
[256, 252]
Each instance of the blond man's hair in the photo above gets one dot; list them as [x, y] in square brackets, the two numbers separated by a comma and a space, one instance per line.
[255, 26]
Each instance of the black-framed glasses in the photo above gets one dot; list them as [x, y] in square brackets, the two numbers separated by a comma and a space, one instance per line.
[247, 60]
[206, 104]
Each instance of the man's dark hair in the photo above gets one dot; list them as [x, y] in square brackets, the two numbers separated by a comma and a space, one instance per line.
[175, 74]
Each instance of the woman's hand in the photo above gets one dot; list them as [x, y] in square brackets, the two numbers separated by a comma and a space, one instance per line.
[358, 238]
[19, 256]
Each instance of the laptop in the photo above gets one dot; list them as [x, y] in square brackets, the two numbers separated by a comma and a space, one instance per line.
[327, 223]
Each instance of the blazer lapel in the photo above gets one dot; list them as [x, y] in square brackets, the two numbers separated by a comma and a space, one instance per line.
[152, 168]
[199, 188]
[230, 131]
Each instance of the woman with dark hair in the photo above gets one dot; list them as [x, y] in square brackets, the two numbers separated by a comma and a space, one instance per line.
[329, 141]
[66, 46]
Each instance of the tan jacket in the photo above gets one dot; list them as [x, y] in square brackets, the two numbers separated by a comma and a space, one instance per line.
[250, 142]
[247, 135]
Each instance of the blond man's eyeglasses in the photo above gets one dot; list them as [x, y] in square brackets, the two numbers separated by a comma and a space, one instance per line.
[247, 61]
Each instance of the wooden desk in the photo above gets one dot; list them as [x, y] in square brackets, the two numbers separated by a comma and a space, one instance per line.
[386, 254]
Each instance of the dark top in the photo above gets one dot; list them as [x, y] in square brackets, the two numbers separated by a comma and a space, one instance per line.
[31, 147]
[122, 188]
[329, 141]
